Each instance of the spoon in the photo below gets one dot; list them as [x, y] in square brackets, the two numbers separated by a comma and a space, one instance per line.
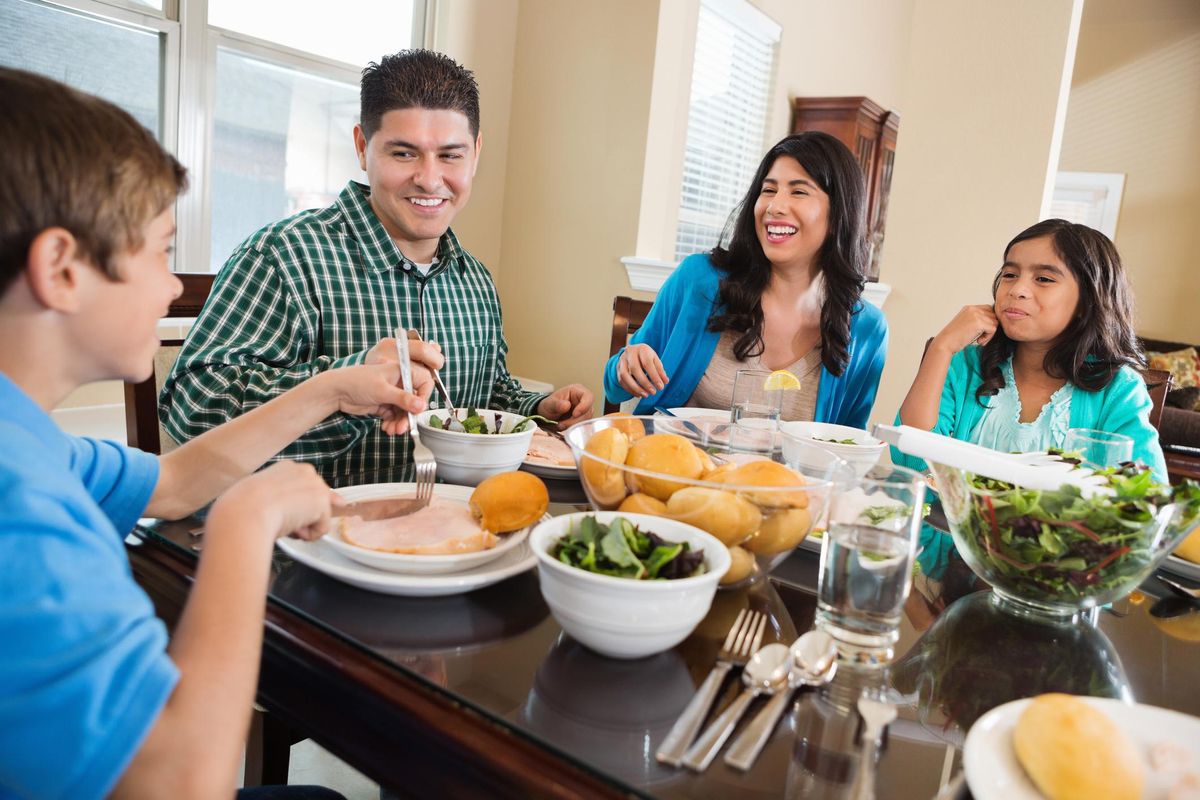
[767, 672]
[876, 714]
[814, 663]
[1179, 589]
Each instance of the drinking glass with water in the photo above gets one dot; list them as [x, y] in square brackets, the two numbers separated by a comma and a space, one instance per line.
[867, 562]
[1099, 449]
[754, 411]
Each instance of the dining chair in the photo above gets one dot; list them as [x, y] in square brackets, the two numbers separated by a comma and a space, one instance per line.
[142, 427]
[628, 316]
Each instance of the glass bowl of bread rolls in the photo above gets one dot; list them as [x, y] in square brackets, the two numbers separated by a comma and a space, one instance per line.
[758, 507]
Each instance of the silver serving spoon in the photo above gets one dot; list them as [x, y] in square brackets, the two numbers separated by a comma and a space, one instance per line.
[814, 663]
[415, 335]
[877, 714]
[767, 672]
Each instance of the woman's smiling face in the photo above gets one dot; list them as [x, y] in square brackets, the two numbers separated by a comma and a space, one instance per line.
[791, 215]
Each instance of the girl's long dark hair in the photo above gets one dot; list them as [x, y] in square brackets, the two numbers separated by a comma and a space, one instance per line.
[1099, 339]
[842, 258]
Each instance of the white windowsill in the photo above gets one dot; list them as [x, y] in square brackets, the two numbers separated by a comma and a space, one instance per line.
[649, 274]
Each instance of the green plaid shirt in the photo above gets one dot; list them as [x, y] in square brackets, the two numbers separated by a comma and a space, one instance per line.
[316, 291]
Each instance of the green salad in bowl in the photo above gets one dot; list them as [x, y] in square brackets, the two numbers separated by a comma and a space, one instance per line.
[1059, 552]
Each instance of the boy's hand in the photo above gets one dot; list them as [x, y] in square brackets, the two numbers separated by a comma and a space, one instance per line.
[427, 354]
[568, 405]
[640, 371]
[972, 324]
[287, 498]
[372, 390]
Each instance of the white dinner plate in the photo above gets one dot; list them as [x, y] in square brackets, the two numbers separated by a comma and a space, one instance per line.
[1178, 566]
[411, 563]
[673, 422]
[993, 772]
[554, 472]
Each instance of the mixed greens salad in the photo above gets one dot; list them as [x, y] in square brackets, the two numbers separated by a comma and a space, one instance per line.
[621, 549]
[475, 422]
[1058, 545]
[835, 441]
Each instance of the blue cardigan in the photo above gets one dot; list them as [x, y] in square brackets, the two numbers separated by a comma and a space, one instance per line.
[677, 329]
[1121, 407]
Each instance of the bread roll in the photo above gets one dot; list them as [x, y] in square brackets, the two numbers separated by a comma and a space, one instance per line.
[606, 484]
[1073, 751]
[509, 501]
[723, 514]
[665, 453]
[643, 504]
[741, 564]
[782, 530]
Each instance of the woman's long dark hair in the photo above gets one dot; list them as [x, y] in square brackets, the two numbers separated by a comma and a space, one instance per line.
[1099, 339]
[842, 258]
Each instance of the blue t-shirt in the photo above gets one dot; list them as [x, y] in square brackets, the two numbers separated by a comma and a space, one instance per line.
[84, 671]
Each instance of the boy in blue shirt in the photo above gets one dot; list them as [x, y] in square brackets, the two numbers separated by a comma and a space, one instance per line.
[94, 699]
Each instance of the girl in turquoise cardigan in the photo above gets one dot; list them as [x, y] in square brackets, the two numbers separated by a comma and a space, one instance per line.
[1055, 350]
[789, 280]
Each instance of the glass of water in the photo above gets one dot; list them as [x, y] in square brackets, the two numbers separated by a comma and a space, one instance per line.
[754, 411]
[867, 563]
[1099, 449]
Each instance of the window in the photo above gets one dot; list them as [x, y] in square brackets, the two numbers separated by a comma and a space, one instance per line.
[257, 100]
[727, 117]
[1089, 198]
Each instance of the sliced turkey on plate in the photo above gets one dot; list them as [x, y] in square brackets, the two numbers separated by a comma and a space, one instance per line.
[443, 527]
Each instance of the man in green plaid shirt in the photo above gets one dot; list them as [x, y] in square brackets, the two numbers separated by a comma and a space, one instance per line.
[327, 288]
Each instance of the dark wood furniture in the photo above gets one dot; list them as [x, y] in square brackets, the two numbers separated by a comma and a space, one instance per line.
[141, 399]
[628, 316]
[871, 133]
[1179, 428]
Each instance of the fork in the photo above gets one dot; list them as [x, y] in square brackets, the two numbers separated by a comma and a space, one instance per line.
[415, 336]
[745, 636]
[425, 466]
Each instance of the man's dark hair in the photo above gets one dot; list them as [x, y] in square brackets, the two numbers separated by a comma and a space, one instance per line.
[417, 79]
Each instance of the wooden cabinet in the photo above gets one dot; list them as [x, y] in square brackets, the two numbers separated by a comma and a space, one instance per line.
[870, 132]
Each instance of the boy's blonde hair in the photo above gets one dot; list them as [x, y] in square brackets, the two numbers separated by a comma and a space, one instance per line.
[74, 161]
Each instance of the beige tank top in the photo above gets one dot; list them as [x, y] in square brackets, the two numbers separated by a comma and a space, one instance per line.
[715, 389]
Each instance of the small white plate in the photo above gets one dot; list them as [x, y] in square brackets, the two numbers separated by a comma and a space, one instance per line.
[554, 472]
[673, 422]
[411, 563]
[1178, 566]
[993, 772]
[323, 558]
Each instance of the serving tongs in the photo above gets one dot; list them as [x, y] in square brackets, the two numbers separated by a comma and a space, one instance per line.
[1028, 470]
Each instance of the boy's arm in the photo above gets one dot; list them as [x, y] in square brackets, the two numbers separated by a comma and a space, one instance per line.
[202, 468]
[195, 745]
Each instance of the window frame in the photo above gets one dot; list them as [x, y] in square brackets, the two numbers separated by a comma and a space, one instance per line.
[187, 82]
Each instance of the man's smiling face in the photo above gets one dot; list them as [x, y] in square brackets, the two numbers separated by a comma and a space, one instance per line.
[420, 164]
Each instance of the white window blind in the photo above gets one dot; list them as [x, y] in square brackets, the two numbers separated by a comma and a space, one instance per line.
[1089, 198]
[727, 117]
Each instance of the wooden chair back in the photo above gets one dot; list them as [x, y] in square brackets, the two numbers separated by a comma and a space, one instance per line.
[142, 428]
[628, 316]
[1158, 383]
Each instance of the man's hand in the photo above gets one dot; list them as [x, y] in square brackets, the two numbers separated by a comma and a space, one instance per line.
[640, 371]
[373, 390]
[568, 405]
[287, 498]
[971, 324]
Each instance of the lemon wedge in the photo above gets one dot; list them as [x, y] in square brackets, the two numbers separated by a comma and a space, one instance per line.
[781, 379]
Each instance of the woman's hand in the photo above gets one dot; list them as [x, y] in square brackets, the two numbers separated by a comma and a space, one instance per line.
[287, 498]
[640, 372]
[972, 324]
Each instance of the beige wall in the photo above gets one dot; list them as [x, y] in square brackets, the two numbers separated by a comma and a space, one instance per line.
[577, 143]
[1138, 113]
[971, 164]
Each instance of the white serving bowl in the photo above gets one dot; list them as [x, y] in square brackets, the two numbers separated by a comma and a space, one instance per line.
[468, 458]
[861, 456]
[623, 617]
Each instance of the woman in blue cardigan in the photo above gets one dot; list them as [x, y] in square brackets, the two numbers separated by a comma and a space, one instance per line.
[785, 294]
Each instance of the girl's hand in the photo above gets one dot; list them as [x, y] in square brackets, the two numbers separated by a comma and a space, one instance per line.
[372, 390]
[640, 372]
[287, 498]
[972, 324]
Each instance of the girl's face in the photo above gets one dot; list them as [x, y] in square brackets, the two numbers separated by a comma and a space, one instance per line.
[1037, 294]
[791, 215]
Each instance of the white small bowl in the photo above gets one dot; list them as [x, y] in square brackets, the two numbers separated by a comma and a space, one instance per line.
[468, 458]
[861, 456]
[623, 617]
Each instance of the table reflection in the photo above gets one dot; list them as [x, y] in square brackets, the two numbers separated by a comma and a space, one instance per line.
[976, 656]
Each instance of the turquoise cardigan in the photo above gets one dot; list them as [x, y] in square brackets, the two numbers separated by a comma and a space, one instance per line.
[677, 329]
[1121, 407]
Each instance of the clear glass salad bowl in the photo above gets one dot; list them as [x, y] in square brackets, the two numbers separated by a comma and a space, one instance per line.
[688, 470]
[1058, 553]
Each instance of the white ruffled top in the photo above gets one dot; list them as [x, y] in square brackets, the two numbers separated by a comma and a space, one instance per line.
[1000, 427]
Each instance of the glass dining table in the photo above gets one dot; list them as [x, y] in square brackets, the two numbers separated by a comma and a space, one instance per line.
[483, 695]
